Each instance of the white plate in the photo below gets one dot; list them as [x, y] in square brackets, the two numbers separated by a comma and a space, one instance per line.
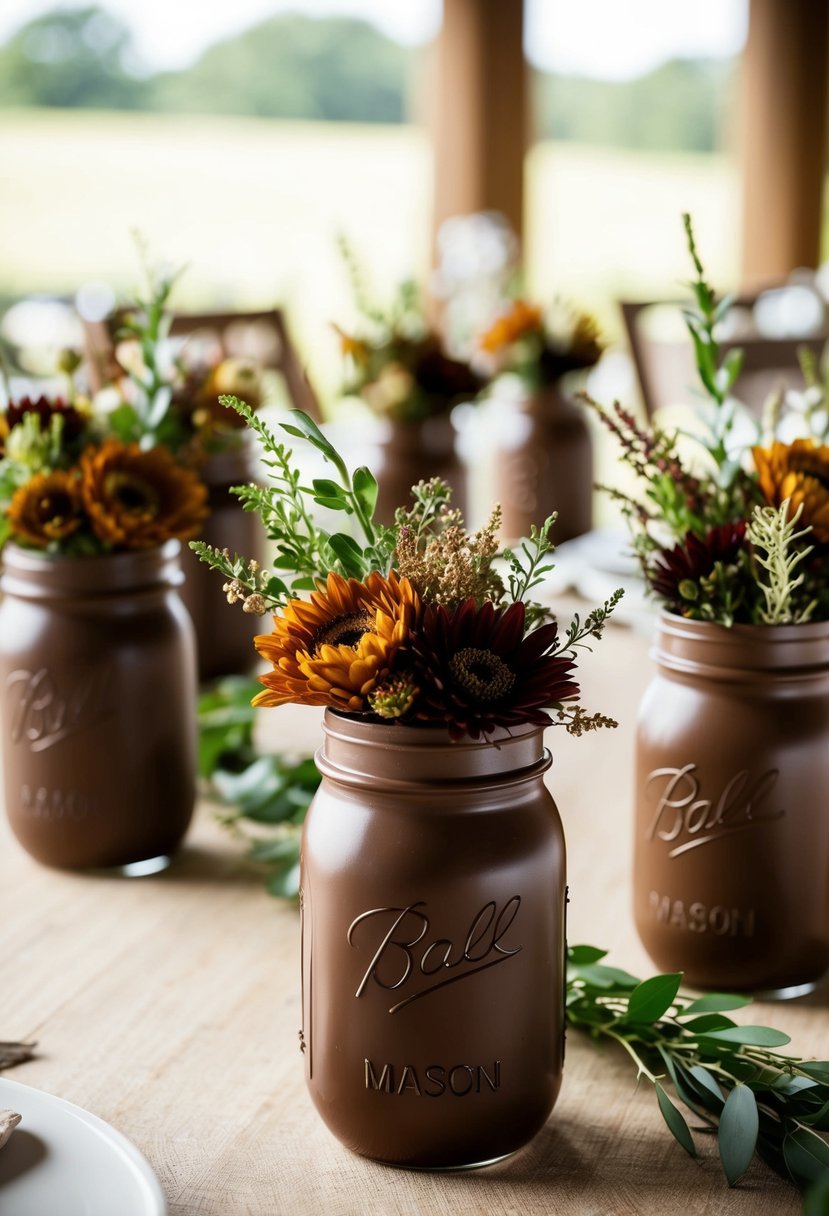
[63, 1160]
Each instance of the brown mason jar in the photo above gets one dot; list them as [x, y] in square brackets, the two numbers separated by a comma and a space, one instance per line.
[97, 671]
[433, 939]
[731, 857]
[543, 462]
[415, 451]
[224, 638]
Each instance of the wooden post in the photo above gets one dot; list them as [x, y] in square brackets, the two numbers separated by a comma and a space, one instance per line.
[479, 111]
[784, 136]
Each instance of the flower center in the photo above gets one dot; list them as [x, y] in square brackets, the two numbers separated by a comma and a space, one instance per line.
[482, 675]
[808, 466]
[54, 508]
[134, 495]
[344, 631]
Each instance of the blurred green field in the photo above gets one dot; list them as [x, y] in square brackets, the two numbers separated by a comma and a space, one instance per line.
[254, 205]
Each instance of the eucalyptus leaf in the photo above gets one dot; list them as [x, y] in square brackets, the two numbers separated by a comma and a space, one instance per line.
[750, 1036]
[806, 1154]
[675, 1121]
[739, 1126]
[707, 1022]
[582, 955]
[706, 1081]
[716, 1002]
[652, 998]
[819, 1069]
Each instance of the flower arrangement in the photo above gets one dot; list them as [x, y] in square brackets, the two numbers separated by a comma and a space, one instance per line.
[730, 528]
[540, 348]
[413, 622]
[69, 486]
[172, 393]
[397, 362]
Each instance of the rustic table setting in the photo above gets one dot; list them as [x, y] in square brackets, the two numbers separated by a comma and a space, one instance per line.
[170, 1006]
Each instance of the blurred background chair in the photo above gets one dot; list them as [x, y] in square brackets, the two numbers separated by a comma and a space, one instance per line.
[664, 359]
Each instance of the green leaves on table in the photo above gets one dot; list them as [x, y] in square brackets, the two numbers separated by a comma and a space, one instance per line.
[729, 1077]
[265, 797]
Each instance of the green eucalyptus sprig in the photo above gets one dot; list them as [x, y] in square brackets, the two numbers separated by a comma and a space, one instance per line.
[264, 797]
[730, 1077]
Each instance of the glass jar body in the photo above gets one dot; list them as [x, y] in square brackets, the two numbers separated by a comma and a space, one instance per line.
[224, 639]
[433, 903]
[731, 855]
[415, 451]
[97, 671]
[543, 462]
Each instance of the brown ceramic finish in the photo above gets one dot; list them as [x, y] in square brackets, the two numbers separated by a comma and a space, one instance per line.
[545, 464]
[731, 859]
[97, 677]
[224, 636]
[413, 452]
[433, 903]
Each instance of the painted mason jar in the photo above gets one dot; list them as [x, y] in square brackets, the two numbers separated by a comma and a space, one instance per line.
[97, 672]
[731, 858]
[224, 639]
[433, 905]
[415, 451]
[543, 462]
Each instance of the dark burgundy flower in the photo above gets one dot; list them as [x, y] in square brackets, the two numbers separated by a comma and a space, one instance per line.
[73, 422]
[439, 376]
[476, 670]
[693, 560]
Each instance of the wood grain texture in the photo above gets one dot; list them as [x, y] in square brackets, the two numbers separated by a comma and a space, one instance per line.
[170, 1007]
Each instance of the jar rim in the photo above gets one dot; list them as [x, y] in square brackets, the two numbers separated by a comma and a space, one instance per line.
[740, 651]
[34, 574]
[392, 755]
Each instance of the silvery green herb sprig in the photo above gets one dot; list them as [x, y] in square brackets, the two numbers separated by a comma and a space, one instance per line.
[729, 1077]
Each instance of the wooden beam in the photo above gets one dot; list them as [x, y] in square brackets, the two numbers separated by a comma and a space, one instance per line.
[479, 112]
[784, 130]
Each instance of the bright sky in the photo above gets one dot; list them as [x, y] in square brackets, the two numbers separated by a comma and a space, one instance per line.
[611, 38]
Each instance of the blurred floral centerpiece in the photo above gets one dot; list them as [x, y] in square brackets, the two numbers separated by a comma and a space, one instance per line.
[542, 452]
[731, 527]
[96, 650]
[398, 364]
[540, 348]
[69, 486]
[170, 385]
[166, 386]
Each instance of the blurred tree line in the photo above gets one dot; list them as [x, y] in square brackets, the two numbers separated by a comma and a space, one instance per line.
[339, 69]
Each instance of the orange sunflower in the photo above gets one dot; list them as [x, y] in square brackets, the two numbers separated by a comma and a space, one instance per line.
[522, 318]
[137, 499]
[798, 471]
[47, 508]
[335, 648]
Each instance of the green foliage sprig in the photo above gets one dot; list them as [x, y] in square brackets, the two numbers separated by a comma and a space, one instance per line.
[730, 1078]
[774, 538]
[148, 418]
[305, 552]
[718, 375]
[264, 797]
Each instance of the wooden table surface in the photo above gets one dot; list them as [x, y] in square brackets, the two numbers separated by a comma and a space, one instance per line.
[169, 1006]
